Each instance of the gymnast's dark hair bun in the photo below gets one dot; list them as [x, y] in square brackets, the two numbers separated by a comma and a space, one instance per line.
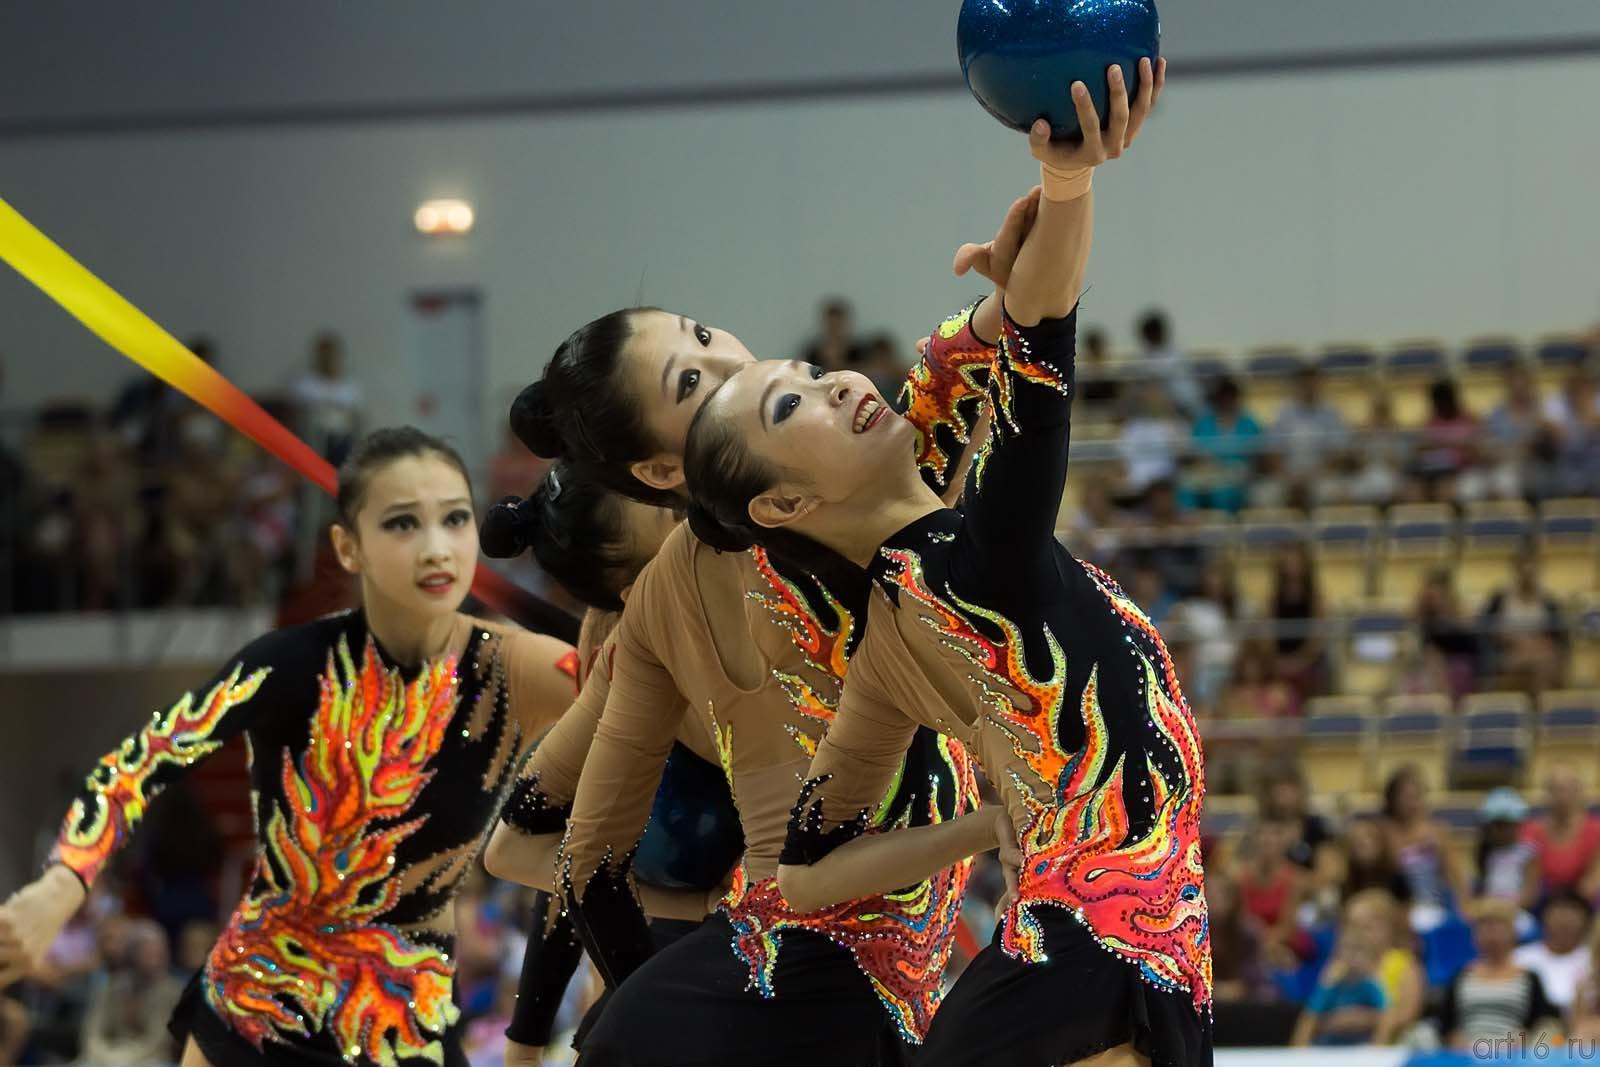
[720, 536]
[507, 529]
[533, 420]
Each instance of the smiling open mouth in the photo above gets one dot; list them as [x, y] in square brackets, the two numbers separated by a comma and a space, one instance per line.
[868, 412]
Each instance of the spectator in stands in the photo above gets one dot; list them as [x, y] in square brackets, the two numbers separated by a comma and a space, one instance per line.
[1566, 838]
[1349, 1003]
[146, 413]
[1099, 386]
[1512, 435]
[1309, 431]
[329, 401]
[1167, 539]
[1150, 441]
[105, 520]
[1493, 997]
[1447, 453]
[1093, 531]
[1272, 888]
[1299, 616]
[1151, 591]
[200, 495]
[1169, 364]
[1583, 1020]
[1381, 453]
[1378, 916]
[1239, 969]
[836, 346]
[1209, 619]
[1447, 631]
[1524, 637]
[128, 1009]
[883, 364]
[1368, 861]
[1226, 443]
[1283, 796]
[1421, 848]
[1561, 956]
[1506, 867]
[1257, 689]
[1575, 416]
[13, 499]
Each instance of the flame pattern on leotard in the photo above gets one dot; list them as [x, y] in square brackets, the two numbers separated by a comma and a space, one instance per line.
[944, 390]
[305, 950]
[124, 782]
[1140, 897]
[900, 941]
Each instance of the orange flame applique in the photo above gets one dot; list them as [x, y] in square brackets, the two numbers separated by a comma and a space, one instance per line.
[901, 941]
[1142, 899]
[826, 649]
[124, 782]
[940, 386]
[311, 937]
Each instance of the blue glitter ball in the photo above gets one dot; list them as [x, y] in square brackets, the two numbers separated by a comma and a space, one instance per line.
[1020, 57]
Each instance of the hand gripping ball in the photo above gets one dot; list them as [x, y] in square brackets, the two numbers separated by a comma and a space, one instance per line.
[1020, 57]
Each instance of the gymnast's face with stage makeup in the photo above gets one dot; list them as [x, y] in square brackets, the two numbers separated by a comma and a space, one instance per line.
[616, 399]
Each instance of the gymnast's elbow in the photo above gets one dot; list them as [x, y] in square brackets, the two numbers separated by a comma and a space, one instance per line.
[511, 857]
[802, 888]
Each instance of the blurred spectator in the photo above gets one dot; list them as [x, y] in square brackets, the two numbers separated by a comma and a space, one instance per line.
[1382, 452]
[1151, 592]
[1368, 861]
[1447, 447]
[128, 1007]
[1094, 529]
[1566, 838]
[1523, 632]
[1561, 956]
[1583, 1021]
[1309, 431]
[1209, 618]
[1349, 1004]
[1272, 888]
[835, 347]
[1256, 689]
[1575, 417]
[1298, 613]
[883, 364]
[1239, 968]
[1099, 386]
[1378, 916]
[259, 552]
[329, 402]
[1506, 867]
[146, 413]
[195, 942]
[1166, 540]
[1167, 364]
[1150, 441]
[200, 496]
[12, 511]
[106, 520]
[1493, 997]
[1421, 849]
[1514, 434]
[1226, 441]
[1284, 797]
[1446, 630]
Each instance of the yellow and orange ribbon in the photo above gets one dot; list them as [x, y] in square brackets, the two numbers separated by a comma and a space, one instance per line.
[134, 334]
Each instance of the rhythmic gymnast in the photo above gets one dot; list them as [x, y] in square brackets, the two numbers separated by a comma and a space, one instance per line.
[598, 541]
[696, 643]
[985, 628]
[383, 742]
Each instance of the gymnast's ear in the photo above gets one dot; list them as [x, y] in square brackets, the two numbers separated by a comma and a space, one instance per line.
[346, 548]
[660, 471]
[780, 506]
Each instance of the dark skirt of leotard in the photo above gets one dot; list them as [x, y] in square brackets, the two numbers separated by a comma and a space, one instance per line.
[691, 1005]
[1081, 1001]
[225, 1048]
